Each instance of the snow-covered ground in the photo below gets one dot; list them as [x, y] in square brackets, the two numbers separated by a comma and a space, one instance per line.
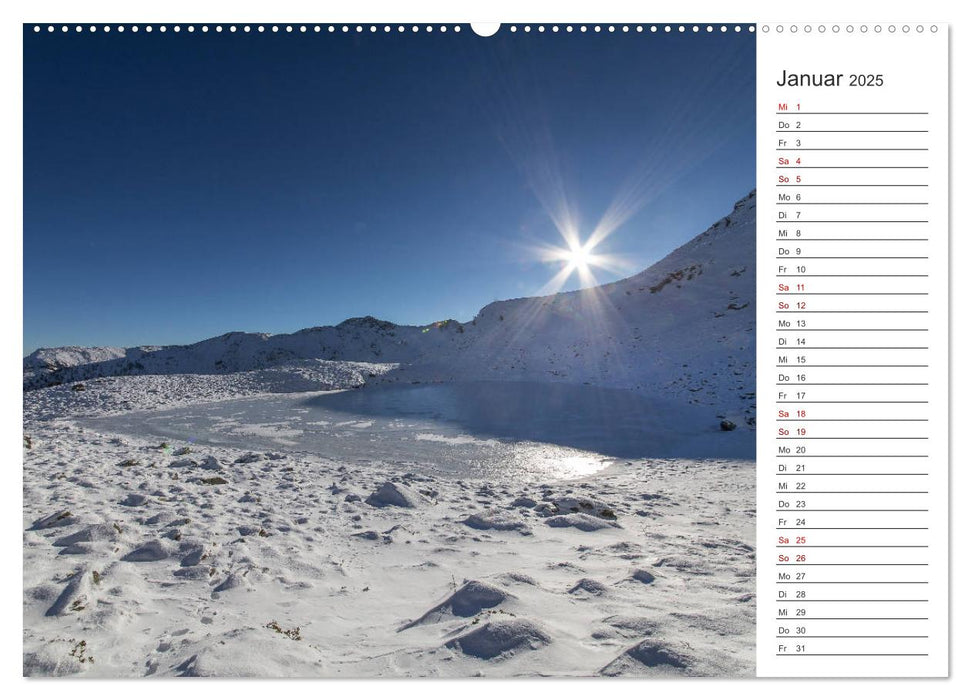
[545, 490]
[144, 558]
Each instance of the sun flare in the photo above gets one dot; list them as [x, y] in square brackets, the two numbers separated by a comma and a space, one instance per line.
[579, 257]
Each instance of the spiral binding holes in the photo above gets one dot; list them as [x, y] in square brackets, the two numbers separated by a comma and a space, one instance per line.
[905, 29]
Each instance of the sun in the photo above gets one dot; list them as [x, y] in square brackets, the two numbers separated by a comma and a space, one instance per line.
[579, 257]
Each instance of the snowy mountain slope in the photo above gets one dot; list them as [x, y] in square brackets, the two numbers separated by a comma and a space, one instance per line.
[682, 329]
[53, 358]
[360, 339]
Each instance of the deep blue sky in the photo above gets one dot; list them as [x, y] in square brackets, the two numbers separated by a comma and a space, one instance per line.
[178, 186]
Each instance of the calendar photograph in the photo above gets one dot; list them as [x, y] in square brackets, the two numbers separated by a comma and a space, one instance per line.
[389, 351]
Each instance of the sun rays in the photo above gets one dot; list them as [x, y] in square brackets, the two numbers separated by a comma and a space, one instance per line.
[579, 258]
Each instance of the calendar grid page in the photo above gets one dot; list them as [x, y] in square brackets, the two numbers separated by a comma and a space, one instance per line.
[853, 333]
[547, 348]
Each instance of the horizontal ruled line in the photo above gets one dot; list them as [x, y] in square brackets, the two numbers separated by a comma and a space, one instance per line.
[856, 185]
[852, 257]
[849, 583]
[854, 618]
[848, 204]
[850, 330]
[851, 167]
[852, 149]
[800, 113]
[796, 366]
[850, 131]
[851, 636]
[848, 420]
[851, 221]
[800, 239]
[802, 474]
[855, 311]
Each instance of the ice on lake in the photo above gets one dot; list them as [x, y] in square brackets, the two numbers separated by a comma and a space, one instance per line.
[482, 429]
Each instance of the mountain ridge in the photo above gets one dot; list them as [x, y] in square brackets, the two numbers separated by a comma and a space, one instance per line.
[684, 326]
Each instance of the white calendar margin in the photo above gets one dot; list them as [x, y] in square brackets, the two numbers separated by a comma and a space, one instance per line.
[418, 11]
[912, 63]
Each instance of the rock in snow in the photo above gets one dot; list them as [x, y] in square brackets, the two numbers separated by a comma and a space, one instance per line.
[589, 586]
[395, 494]
[643, 575]
[651, 657]
[580, 521]
[471, 599]
[501, 638]
[74, 597]
[61, 518]
[154, 550]
[496, 519]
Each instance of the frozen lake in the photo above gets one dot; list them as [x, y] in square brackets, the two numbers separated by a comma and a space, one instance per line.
[487, 429]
